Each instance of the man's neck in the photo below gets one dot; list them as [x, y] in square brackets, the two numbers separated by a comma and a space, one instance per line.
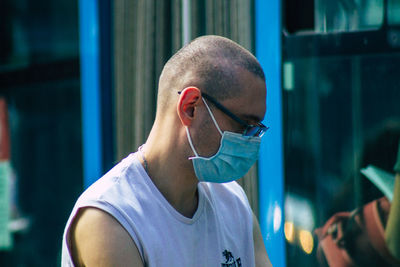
[173, 176]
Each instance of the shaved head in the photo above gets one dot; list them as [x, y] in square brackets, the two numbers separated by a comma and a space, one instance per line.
[210, 63]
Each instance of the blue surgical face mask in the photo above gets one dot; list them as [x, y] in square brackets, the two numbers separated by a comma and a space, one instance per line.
[235, 156]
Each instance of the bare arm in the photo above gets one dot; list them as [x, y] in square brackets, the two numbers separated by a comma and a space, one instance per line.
[392, 232]
[98, 239]
[261, 255]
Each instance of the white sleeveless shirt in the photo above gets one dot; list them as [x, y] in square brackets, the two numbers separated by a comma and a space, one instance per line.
[219, 234]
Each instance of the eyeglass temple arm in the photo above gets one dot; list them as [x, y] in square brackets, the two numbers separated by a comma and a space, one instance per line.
[226, 111]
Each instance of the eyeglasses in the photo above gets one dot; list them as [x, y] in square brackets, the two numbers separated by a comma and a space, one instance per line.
[250, 130]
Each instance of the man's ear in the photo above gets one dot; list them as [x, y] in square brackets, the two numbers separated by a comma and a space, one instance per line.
[189, 99]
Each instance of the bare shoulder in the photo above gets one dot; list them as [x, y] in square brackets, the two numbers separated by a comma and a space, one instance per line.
[98, 239]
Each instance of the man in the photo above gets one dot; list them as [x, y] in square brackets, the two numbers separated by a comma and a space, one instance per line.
[151, 209]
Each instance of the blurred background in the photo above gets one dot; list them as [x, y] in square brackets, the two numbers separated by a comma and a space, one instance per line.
[78, 84]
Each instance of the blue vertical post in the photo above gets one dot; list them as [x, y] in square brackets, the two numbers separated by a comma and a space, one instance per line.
[268, 52]
[90, 90]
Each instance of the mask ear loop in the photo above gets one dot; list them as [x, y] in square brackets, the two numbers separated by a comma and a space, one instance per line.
[190, 142]
[212, 117]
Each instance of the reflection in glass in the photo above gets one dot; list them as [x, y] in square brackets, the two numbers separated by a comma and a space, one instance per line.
[340, 114]
[33, 32]
[393, 12]
[348, 15]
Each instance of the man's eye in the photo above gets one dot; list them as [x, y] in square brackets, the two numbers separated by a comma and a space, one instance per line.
[242, 128]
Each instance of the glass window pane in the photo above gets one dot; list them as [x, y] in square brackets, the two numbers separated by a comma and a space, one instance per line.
[340, 115]
[348, 15]
[46, 169]
[40, 84]
[393, 12]
[37, 31]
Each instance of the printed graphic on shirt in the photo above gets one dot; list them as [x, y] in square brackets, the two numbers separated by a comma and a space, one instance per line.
[230, 260]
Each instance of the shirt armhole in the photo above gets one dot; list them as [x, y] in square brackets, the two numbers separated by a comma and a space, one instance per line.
[115, 213]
